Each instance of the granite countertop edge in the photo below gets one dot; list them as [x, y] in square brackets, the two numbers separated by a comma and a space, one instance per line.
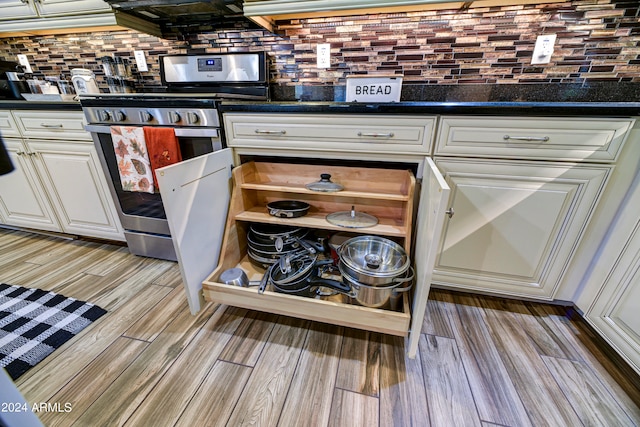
[416, 107]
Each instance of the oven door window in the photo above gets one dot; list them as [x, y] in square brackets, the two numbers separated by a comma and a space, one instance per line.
[146, 204]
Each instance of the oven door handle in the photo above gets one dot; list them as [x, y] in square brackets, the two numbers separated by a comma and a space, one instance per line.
[190, 132]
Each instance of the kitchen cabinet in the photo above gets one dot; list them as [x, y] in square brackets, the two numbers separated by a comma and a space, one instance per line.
[338, 134]
[515, 223]
[20, 9]
[614, 312]
[610, 295]
[266, 12]
[23, 201]
[520, 209]
[206, 218]
[58, 184]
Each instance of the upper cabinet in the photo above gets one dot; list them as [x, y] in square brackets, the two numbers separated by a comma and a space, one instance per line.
[19, 9]
[31, 17]
[266, 12]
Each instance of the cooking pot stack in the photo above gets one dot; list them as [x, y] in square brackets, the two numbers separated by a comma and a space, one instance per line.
[374, 270]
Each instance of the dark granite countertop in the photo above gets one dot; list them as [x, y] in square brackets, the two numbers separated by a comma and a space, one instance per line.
[16, 104]
[593, 99]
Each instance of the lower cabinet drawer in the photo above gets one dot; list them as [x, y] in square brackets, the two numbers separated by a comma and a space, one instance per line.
[67, 125]
[575, 139]
[375, 134]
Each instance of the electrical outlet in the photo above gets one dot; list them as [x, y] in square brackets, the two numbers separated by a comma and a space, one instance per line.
[141, 61]
[22, 59]
[324, 55]
[543, 49]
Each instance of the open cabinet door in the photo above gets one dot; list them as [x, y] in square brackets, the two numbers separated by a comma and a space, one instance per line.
[196, 195]
[433, 205]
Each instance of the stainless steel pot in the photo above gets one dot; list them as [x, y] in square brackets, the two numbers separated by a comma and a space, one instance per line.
[378, 296]
[373, 261]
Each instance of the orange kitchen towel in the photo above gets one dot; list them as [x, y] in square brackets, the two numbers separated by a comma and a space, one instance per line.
[163, 147]
[133, 160]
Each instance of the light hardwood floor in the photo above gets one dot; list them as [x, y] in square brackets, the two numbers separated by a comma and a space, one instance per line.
[149, 362]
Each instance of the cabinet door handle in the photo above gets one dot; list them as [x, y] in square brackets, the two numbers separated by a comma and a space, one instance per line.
[46, 125]
[270, 132]
[20, 153]
[450, 212]
[526, 138]
[376, 135]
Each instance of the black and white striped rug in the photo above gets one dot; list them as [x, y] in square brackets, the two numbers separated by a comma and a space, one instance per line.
[33, 323]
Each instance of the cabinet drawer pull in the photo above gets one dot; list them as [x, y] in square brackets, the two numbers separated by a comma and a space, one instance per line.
[20, 153]
[270, 132]
[526, 138]
[376, 135]
[45, 125]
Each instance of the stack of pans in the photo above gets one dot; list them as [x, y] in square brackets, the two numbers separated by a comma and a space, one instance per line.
[268, 242]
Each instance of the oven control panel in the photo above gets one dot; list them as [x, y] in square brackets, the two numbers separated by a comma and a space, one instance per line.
[174, 117]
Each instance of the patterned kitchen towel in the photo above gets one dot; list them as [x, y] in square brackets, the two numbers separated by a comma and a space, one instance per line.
[163, 148]
[133, 160]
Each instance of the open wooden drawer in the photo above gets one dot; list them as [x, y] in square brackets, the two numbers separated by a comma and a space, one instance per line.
[256, 184]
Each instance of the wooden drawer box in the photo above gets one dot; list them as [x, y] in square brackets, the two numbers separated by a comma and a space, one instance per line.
[575, 139]
[373, 134]
[256, 184]
[67, 125]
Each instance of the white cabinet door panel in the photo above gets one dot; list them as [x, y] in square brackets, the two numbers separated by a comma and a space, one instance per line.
[73, 181]
[516, 224]
[196, 195]
[65, 7]
[434, 195]
[16, 9]
[23, 201]
[615, 311]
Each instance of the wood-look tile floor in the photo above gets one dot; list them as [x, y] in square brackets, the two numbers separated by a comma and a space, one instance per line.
[149, 362]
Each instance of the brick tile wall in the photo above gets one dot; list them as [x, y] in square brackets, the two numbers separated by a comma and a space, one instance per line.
[597, 40]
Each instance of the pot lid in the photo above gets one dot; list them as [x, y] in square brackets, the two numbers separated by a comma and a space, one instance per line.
[325, 184]
[374, 256]
[352, 219]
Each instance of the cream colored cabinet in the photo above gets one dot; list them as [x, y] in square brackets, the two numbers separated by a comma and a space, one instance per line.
[614, 313]
[519, 208]
[23, 199]
[19, 9]
[610, 295]
[368, 134]
[58, 184]
[74, 182]
[205, 218]
[515, 224]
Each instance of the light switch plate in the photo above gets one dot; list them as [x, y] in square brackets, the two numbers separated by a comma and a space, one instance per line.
[324, 55]
[141, 61]
[543, 49]
[22, 59]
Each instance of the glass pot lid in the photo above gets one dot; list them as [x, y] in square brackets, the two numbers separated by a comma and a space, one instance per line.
[374, 256]
[325, 184]
[352, 219]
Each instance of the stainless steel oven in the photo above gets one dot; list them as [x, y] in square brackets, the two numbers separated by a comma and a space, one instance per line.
[196, 84]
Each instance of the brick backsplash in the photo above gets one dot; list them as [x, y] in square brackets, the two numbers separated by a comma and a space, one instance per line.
[597, 40]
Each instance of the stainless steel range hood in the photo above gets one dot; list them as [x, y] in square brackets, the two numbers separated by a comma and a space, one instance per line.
[185, 15]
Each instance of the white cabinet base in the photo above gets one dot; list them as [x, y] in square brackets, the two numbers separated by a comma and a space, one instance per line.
[515, 224]
[23, 201]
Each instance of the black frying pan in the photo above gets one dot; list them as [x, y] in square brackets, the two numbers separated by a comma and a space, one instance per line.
[288, 208]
